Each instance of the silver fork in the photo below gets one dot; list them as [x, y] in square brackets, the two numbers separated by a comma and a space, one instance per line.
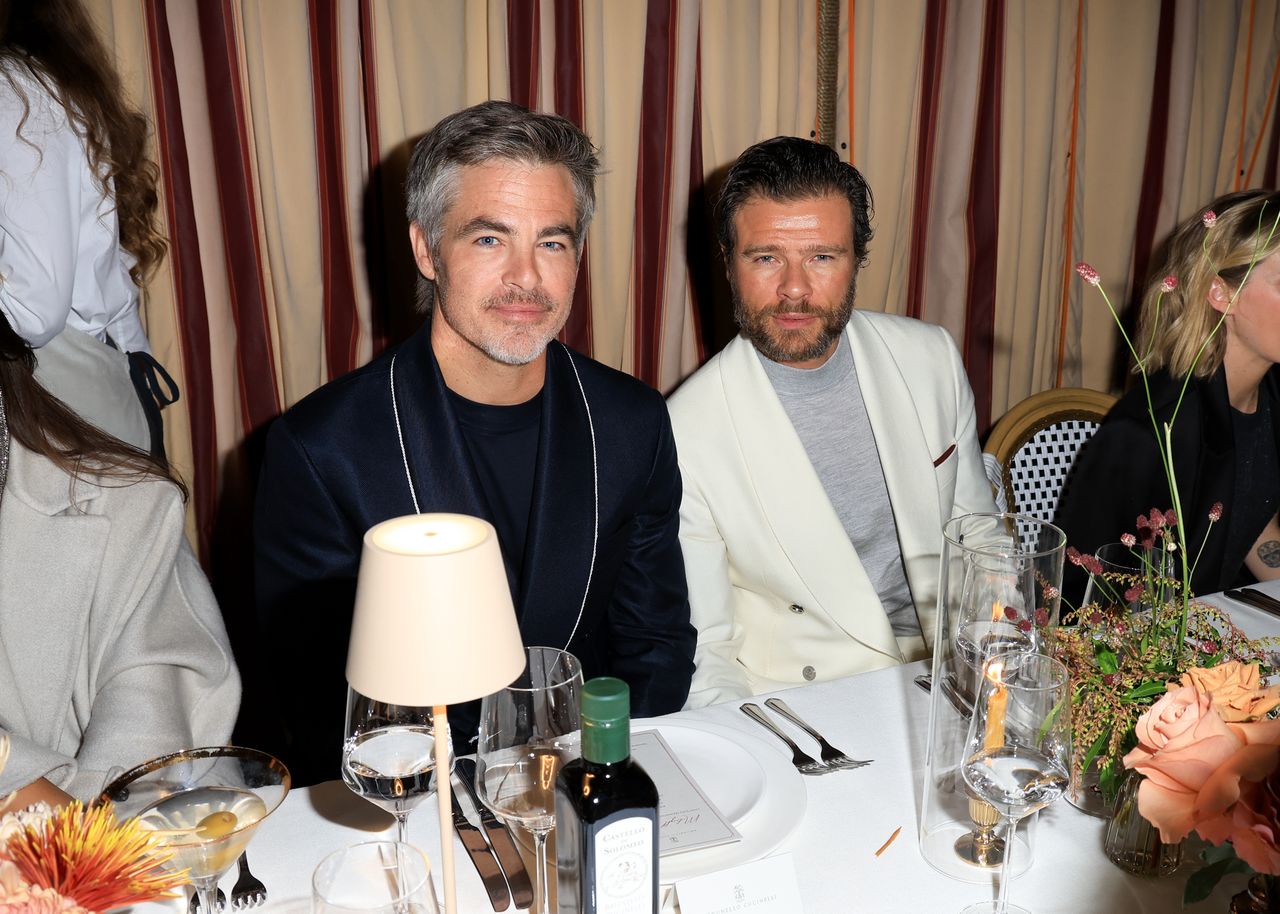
[248, 892]
[805, 764]
[831, 756]
[195, 902]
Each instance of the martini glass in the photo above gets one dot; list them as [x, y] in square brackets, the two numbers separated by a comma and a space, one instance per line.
[203, 804]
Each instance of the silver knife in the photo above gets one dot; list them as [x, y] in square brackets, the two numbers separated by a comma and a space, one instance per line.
[485, 862]
[1255, 598]
[1264, 598]
[504, 847]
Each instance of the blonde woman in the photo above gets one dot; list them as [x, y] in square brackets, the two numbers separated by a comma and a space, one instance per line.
[1224, 260]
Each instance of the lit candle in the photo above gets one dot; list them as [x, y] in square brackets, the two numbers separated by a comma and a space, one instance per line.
[997, 706]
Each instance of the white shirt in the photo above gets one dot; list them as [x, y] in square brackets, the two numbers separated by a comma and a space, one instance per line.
[61, 263]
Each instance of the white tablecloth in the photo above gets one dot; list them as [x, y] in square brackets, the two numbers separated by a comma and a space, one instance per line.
[881, 715]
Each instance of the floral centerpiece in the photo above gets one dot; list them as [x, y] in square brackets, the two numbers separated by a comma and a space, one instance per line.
[1174, 691]
[74, 860]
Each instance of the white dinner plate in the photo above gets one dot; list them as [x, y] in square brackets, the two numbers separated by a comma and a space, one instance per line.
[752, 785]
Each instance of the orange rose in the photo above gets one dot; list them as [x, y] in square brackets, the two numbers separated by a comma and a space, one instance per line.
[1194, 761]
[1252, 825]
[1236, 689]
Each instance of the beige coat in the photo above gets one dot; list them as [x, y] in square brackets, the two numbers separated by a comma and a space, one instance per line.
[112, 649]
[776, 590]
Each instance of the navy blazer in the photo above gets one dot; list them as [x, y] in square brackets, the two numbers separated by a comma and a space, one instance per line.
[334, 468]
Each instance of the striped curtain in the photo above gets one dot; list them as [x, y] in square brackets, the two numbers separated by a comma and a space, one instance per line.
[1003, 141]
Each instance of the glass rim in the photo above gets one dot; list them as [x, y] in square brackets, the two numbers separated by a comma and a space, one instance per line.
[1031, 520]
[573, 669]
[406, 891]
[1059, 668]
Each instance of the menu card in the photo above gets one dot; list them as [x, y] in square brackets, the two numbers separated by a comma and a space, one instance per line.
[687, 820]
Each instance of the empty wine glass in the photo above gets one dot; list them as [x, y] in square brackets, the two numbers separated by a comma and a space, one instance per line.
[389, 755]
[527, 732]
[1018, 751]
[377, 877]
[203, 804]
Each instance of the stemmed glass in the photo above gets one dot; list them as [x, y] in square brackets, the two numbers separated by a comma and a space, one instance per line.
[389, 754]
[1018, 752]
[204, 804]
[527, 731]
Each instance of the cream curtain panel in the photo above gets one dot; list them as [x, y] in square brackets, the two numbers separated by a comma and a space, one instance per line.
[1003, 141]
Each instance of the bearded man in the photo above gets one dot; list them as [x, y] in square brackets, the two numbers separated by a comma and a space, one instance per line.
[821, 451]
[483, 413]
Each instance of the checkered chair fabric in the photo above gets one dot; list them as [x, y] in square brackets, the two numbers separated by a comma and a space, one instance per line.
[1036, 442]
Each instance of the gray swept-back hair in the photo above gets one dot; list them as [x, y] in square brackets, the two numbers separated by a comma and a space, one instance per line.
[493, 130]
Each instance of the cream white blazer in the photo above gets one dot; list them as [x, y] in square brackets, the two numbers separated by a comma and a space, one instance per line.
[776, 590]
[112, 648]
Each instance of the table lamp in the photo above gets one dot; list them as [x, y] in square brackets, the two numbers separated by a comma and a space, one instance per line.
[433, 626]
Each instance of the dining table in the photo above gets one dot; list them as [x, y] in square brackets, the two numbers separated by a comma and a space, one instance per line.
[830, 826]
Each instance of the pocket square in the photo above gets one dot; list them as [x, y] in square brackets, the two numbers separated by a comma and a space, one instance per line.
[945, 454]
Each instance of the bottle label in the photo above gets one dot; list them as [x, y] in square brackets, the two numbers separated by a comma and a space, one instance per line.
[623, 858]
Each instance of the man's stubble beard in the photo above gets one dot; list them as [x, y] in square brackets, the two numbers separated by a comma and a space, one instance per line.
[788, 346]
[514, 345]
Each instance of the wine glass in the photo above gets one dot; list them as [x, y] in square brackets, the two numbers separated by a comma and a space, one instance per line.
[1018, 752]
[993, 617]
[203, 804]
[389, 755]
[376, 877]
[527, 731]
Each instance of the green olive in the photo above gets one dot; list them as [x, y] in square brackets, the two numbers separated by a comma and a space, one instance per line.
[216, 825]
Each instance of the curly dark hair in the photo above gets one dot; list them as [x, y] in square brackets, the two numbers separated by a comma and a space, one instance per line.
[56, 44]
[42, 423]
[790, 168]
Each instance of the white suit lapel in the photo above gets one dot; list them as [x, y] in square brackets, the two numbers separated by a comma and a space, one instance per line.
[796, 506]
[904, 451]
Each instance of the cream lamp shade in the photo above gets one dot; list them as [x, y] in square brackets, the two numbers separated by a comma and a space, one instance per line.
[433, 621]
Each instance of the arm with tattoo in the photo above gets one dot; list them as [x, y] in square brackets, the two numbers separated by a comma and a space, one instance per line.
[1263, 559]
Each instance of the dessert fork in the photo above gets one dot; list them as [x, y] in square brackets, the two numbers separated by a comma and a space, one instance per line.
[248, 892]
[832, 757]
[805, 764]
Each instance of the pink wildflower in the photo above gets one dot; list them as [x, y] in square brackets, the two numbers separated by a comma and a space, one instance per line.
[1133, 593]
[1011, 614]
[1095, 617]
[1156, 519]
[1024, 625]
[1091, 564]
[1210, 647]
[1051, 592]
[1215, 513]
[1128, 539]
[1042, 617]
[1074, 556]
[1171, 518]
[1111, 678]
[1210, 218]
[1169, 283]
[1088, 273]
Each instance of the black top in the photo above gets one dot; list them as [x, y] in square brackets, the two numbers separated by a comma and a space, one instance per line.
[1257, 476]
[503, 444]
[1118, 475]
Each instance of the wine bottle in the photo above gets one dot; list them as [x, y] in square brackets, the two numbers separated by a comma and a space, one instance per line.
[606, 814]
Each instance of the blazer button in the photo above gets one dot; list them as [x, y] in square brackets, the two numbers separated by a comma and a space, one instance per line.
[809, 673]
[796, 608]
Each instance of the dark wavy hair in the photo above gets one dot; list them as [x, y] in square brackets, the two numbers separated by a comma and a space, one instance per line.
[789, 168]
[42, 423]
[56, 44]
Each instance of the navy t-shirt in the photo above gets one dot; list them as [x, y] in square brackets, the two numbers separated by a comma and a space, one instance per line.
[503, 443]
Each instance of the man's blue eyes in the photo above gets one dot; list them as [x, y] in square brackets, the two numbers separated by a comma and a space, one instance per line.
[489, 241]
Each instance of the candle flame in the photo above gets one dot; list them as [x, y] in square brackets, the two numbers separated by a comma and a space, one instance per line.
[997, 613]
[995, 671]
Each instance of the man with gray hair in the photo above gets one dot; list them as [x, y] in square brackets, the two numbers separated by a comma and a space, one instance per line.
[483, 412]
